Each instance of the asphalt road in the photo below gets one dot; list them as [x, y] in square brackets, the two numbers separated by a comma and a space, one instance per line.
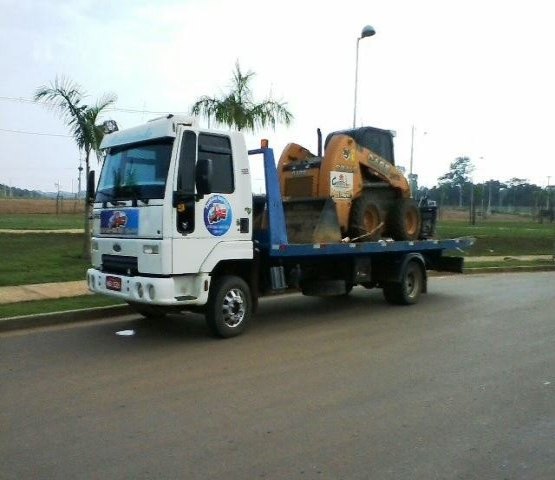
[460, 386]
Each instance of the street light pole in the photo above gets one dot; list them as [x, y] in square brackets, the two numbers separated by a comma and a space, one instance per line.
[367, 31]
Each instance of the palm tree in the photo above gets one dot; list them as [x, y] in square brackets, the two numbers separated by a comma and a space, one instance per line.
[238, 109]
[67, 97]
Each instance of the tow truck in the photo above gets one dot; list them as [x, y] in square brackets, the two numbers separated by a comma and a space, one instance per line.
[196, 237]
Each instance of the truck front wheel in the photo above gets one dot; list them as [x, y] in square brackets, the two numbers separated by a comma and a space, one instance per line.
[229, 306]
[408, 290]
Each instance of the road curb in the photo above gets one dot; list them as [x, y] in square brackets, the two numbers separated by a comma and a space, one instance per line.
[515, 269]
[57, 318]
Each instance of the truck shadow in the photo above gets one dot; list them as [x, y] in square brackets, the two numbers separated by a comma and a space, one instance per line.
[279, 312]
[282, 313]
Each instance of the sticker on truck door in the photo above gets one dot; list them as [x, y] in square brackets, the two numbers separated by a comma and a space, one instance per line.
[217, 215]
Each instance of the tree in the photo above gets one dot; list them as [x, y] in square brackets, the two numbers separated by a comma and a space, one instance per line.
[67, 97]
[458, 175]
[238, 109]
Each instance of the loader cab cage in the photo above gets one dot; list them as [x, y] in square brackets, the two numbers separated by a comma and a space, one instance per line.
[375, 139]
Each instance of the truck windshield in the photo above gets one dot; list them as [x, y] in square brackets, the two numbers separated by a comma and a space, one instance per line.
[137, 171]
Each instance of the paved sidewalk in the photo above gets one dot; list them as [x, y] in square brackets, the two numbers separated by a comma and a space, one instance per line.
[42, 291]
[23, 232]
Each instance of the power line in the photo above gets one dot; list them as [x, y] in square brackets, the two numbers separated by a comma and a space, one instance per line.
[23, 132]
[108, 109]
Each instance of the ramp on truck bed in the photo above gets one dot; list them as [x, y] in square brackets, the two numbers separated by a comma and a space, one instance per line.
[273, 239]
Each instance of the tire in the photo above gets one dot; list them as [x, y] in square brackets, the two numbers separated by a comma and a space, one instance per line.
[409, 289]
[229, 307]
[365, 217]
[404, 220]
[148, 311]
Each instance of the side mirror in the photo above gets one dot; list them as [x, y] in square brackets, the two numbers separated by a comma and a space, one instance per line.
[90, 187]
[204, 176]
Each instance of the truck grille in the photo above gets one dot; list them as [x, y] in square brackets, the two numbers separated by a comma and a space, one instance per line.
[120, 264]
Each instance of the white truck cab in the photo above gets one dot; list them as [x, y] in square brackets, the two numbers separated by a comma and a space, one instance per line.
[172, 201]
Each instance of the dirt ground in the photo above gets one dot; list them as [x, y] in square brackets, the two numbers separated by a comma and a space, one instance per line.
[463, 215]
[14, 206]
[25, 205]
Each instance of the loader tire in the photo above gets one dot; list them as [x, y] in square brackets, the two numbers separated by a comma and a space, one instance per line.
[404, 220]
[366, 217]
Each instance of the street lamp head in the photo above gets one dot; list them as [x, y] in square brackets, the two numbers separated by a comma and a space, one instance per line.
[367, 31]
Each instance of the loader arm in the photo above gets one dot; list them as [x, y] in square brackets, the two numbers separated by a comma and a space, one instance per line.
[342, 150]
[382, 169]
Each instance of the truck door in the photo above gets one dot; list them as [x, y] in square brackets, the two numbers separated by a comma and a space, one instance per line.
[208, 206]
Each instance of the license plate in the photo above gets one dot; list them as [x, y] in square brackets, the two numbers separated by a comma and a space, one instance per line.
[113, 283]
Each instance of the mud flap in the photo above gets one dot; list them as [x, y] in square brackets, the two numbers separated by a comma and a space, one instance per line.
[312, 220]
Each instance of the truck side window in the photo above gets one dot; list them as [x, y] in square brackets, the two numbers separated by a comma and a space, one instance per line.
[185, 201]
[218, 148]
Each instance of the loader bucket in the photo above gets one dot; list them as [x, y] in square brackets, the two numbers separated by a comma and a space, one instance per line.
[312, 220]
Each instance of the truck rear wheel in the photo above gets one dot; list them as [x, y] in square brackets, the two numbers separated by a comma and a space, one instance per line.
[408, 290]
[229, 306]
[365, 219]
[404, 220]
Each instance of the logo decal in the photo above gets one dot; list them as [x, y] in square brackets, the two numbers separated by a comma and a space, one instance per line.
[348, 154]
[217, 215]
[120, 222]
[341, 184]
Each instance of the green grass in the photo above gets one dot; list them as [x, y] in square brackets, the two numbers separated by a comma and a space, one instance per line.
[503, 238]
[41, 257]
[57, 305]
[48, 257]
[44, 221]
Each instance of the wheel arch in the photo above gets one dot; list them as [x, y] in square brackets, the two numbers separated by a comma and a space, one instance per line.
[390, 270]
[244, 269]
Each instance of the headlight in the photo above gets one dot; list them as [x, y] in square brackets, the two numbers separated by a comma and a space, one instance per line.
[140, 291]
[151, 249]
[94, 245]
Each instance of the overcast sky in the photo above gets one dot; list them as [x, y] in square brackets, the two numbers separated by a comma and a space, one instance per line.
[476, 78]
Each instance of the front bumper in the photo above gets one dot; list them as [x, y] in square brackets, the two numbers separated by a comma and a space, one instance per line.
[169, 291]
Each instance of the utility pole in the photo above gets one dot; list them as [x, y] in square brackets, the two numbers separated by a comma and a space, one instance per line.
[80, 168]
[489, 198]
[472, 206]
[548, 192]
[58, 186]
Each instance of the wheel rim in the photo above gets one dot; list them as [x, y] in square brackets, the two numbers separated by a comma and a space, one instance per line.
[411, 221]
[412, 282]
[371, 219]
[233, 308]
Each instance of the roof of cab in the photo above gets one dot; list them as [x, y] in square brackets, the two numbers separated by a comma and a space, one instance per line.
[157, 128]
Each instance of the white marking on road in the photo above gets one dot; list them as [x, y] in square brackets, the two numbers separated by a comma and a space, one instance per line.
[126, 333]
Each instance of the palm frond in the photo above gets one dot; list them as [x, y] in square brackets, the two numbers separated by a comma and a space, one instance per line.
[237, 108]
[66, 97]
